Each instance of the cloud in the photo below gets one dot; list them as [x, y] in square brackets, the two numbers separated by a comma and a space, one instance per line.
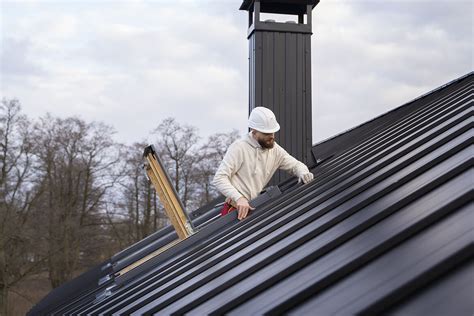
[104, 63]
[15, 58]
[133, 63]
[371, 56]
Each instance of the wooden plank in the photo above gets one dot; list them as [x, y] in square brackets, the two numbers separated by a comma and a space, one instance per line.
[168, 196]
[167, 204]
[168, 189]
[146, 258]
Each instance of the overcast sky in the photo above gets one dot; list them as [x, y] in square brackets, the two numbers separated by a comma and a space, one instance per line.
[132, 63]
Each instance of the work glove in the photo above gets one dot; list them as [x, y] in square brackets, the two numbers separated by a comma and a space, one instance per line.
[306, 177]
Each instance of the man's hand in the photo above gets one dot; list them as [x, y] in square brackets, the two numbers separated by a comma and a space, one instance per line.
[306, 177]
[243, 207]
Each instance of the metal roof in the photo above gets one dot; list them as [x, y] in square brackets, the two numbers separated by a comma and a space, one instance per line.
[385, 227]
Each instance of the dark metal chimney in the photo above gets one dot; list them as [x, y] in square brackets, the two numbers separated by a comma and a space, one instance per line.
[280, 71]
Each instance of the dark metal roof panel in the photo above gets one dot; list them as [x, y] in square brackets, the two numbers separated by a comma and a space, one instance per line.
[438, 298]
[81, 286]
[165, 235]
[349, 255]
[384, 227]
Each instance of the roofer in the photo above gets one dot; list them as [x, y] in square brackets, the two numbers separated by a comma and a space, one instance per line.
[249, 163]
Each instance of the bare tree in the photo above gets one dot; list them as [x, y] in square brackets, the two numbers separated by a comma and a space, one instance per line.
[218, 143]
[175, 145]
[17, 252]
[190, 178]
[144, 211]
[78, 163]
[69, 195]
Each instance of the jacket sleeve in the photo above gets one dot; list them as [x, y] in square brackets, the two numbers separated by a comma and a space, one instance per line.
[291, 164]
[229, 166]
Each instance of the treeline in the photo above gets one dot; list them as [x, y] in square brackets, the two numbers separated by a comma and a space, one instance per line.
[71, 196]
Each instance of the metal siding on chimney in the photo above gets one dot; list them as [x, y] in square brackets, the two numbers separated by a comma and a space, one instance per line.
[300, 93]
[285, 131]
[279, 78]
[268, 65]
[308, 142]
[254, 73]
[259, 75]
[265, 68]
[251, 73]
[290, 105]
[294, 98]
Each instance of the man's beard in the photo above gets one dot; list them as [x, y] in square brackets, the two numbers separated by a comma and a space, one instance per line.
[266, 144]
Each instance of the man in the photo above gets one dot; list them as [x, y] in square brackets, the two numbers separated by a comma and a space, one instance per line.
[249, 163]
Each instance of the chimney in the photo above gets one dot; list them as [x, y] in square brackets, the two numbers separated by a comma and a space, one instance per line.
[280, 71]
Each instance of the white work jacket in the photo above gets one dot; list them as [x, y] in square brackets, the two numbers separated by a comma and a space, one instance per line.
[247, 168]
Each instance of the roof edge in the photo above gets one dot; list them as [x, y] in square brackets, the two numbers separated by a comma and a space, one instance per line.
[334, 138]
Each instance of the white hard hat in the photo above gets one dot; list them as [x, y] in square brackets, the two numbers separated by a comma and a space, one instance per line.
[263, 120]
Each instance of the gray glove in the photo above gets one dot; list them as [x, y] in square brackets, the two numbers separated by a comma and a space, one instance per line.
[306, 177]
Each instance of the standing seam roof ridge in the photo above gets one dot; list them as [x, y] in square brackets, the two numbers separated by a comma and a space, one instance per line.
[391, 139]
[428, 107]
[380, 153]
[377, 161]
[420, 98]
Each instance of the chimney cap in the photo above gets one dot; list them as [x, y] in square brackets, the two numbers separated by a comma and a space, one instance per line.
[280, 6]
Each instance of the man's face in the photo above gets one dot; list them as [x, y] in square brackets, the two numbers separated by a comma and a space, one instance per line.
[266, 140]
